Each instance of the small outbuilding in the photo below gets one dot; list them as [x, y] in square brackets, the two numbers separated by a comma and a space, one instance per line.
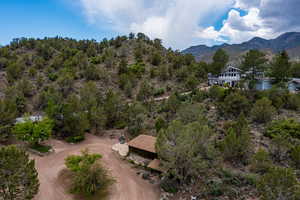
[143, 145]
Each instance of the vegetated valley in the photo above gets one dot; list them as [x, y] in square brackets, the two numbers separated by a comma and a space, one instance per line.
[215, 143]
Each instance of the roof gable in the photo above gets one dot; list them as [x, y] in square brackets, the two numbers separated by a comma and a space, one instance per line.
[143, 142]
[231, 67]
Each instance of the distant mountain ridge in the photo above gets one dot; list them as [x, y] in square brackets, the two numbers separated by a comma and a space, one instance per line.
[289, 41]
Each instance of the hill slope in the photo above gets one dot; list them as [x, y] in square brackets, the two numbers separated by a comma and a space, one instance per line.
[288, 41]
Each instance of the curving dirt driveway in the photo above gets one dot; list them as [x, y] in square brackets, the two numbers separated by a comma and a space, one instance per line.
[128, 185]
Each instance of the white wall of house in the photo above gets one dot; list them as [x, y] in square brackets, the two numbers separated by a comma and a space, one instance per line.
[230, 75]
[34, 118]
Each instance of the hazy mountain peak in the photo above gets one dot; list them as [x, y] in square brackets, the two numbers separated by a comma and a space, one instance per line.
[288, 41]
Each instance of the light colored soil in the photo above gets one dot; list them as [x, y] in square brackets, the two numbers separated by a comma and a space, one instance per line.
[128, 185]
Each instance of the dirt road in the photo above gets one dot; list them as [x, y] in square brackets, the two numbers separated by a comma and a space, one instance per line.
[128, 185]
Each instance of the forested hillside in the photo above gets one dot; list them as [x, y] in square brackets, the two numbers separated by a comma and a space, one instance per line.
[219, 143]
[86, 83]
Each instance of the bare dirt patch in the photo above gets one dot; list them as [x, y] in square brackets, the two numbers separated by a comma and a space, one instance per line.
[128, 186]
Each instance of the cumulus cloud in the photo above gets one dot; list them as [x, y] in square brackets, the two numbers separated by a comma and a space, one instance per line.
[246, 4]
[237, 28]
[241, 28]
[268, 18]
[177, 22]
[181, 23]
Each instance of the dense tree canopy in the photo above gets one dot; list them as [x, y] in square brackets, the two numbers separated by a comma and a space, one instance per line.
[33, 132]
[8, 112]
[186, 150]
[87, 174]
[253, 61]
[133, 83]
[220, 60]
[19, 178]
[280, 67]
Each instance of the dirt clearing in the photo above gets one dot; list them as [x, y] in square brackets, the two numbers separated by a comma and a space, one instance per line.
[128, 185]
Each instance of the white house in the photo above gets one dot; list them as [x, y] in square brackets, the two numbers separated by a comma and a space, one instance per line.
[34, 118]
[230, 75]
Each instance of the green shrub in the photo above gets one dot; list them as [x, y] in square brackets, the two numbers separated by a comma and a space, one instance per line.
[96, 60]
[236, 148]
[128, 89]
[25, 87]
[190, 113]
[191, 82]
[8, 113]
[156, 58]
[215, 187]
[88, 175]
[234, 104]
[136, 119]
[169, 185]
[280, 147]
[75, 163]
[239, 125]
[163, 72]
[216, 92]
[19, 178]
[137, 68]
[279, 183]
[145, 92]
[261, 161]
[277, 96]
[159, 92]
[284, 127]
[75, 139]
[32, 72]
[237, 178]
[91, 180]
[33, 132]
[193, 155]
[199, 95]
[14, 71]
[173, 103]
[52, 76]
[262, 110]
[160, 123]
[153, 72]
[293, 102]
[41, 148]
[91, 72]
[295, 156]
[124, 79]
[229, 183]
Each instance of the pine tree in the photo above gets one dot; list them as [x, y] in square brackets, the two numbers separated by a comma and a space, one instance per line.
[8, 112]
[186, 151]
[254, 62]
[220, 59]
[19, 178]
[280, 67]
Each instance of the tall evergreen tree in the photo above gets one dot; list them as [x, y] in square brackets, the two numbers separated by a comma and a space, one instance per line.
[280, 67]
[253, 62]
[8, 112]
[19, 178]
[220, 59]
[186, 150]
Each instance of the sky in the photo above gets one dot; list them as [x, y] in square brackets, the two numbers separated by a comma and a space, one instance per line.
[179, 23]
